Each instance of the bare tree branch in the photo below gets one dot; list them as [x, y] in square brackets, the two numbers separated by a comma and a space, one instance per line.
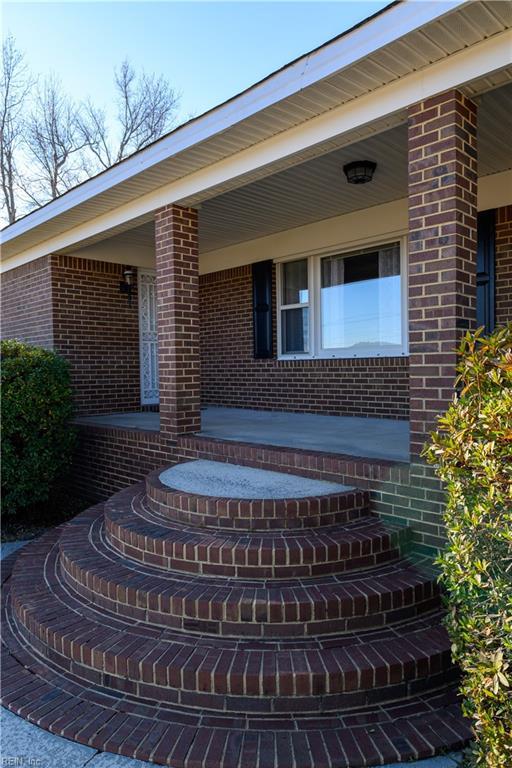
[54, 144]
[15, 84]
[48, 144]
[146, 108]
[93, 129]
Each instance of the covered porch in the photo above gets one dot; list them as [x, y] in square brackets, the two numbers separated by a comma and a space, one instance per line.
[284, 318]
[386, 439]
[299, 310]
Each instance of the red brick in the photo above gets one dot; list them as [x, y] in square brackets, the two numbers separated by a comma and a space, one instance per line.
[177, 266]
[230, 375]
[442, 251]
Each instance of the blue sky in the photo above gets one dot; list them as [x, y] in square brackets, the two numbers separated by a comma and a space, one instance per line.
[209, 51]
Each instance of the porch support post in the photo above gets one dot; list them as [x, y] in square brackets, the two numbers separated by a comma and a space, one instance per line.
[177, 286]
[442, 157]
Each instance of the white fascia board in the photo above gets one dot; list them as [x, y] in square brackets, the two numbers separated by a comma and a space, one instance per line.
[477, 61]
[311, 68]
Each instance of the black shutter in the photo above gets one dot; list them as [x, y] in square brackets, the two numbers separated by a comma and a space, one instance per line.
[485, 285]
[262, 308]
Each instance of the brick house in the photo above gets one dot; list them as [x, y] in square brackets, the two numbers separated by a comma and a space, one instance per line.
[270, 281]
[228, 294]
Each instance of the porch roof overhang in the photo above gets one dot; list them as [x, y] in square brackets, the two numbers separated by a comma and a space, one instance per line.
[356, 85]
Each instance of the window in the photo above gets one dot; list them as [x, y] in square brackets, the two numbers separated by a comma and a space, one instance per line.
[295, 307]
[344, 304]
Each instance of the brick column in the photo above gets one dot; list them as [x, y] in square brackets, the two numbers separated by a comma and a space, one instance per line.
[177, 281]
[442, 250]
[504, 265]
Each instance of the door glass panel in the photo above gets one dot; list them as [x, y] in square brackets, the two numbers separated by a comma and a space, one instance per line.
[148, 338]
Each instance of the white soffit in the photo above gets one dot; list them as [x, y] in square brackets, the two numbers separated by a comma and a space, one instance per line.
[369, 59]
[250, 179]
[316, 189]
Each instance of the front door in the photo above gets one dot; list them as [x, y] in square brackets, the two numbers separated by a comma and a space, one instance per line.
[148, 338]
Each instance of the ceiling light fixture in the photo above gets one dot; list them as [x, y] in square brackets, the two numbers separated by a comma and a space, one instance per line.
[360, 171]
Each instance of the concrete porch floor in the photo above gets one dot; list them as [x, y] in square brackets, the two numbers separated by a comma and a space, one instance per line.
[373, 438]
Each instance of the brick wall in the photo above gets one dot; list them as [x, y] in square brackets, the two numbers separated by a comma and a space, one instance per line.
[26, 303]
[96, 330]
[231, 376]
[108, 459]
[442, 164]
[504, 265]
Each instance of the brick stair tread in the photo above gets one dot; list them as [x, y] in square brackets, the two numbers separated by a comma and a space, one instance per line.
[137, 533]
[206, 511]
[258, 608]
[33, 688]
[187, 741]
[386, 661]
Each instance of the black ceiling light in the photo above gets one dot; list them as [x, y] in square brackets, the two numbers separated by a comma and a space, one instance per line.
[360, 171]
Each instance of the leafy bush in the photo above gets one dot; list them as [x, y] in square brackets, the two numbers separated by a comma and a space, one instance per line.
[37, 440]
[473, 454]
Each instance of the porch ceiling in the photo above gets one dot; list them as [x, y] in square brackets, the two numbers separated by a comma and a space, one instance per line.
[315, 189]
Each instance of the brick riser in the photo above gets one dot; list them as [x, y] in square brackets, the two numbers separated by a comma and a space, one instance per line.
[35, 688]
[232, 607]
[137, 533]
[306, 675]
[293, 630]
[256, 514]
[362, 472]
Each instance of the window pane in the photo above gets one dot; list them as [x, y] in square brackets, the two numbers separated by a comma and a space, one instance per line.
[295, 282]
[363, 267]
[361, 300]
[295, 330]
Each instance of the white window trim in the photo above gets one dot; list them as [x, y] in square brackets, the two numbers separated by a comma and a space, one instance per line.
[307, 304]
[316, 352]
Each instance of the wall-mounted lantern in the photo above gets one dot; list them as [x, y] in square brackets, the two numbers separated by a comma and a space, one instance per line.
[126, 285]
[360, 171]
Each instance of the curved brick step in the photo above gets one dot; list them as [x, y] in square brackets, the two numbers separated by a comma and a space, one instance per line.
[33, 688]
[214, 605]
[257, 514]
[136, 532]
[219, 673]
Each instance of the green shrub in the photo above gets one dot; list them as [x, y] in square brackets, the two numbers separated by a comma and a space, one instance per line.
[473, 454]
[37, 439]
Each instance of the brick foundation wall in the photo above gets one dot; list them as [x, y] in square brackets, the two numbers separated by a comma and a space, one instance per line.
[231, 376]
[108, 459]
[405, 494]
[26, 303]
[96, 330]
[504, 265]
